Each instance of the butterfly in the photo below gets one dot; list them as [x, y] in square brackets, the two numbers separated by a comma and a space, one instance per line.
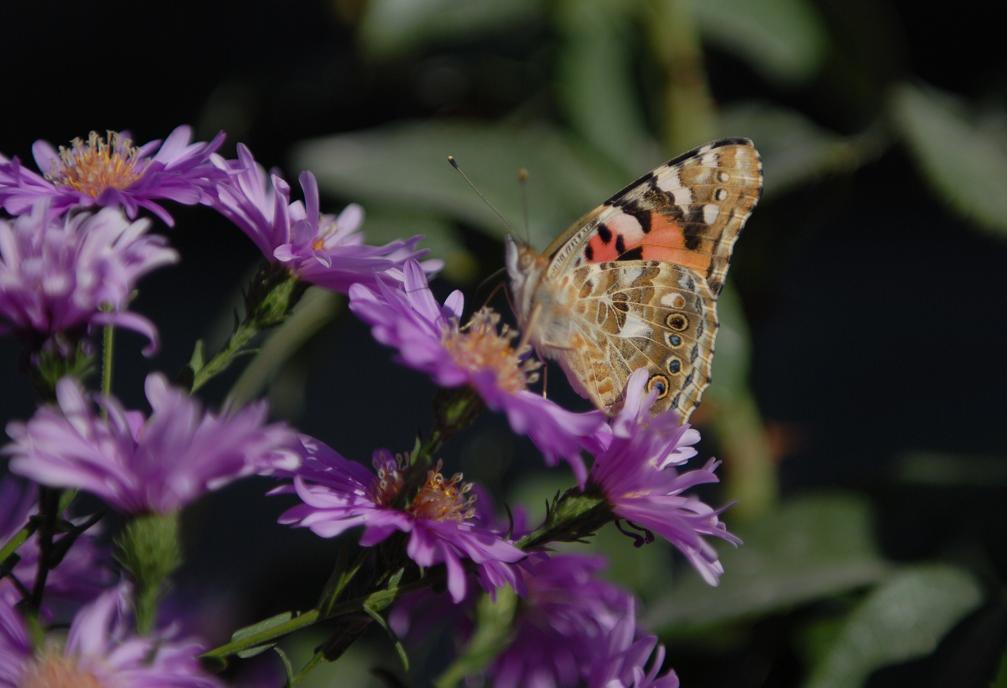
[634, 283]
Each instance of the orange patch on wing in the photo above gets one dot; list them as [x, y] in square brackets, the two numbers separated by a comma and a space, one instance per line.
[678, 256]
[600, 251]
[666, 242]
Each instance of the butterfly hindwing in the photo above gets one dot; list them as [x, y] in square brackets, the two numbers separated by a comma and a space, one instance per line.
[634, 314]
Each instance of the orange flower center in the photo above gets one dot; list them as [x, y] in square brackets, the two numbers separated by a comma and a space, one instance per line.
[444, 500]
[438, 499]
[98, 165]
[479, 346]
[53, 670]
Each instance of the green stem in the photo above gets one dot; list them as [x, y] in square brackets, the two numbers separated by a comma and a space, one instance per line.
[308, 618]
[220, 362]
[11, 546]
[107, 352]
[574, 516]
[48, 500]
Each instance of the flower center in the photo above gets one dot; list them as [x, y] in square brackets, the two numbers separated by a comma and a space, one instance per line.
[479, 346]
[98, 165]
[53, 670]
[444, 500]
[391, 477]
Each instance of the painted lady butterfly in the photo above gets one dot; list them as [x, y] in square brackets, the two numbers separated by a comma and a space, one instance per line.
[634, 283]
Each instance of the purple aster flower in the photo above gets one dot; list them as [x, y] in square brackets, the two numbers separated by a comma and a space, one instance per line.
[562, 624]
[56, 274]
[430, 338]
[111, 171]
[623, 663]
[639, 477]
[338, 494]
[155, 465]
[322, 249]
[100, 652]
[81, 574]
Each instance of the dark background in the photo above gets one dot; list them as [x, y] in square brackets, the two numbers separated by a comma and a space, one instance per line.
[875, 308]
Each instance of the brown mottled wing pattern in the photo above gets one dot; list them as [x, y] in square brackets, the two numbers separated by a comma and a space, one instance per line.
[643, 272]
[634, 314]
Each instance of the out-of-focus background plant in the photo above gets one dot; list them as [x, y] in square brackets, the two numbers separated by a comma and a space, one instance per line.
[859, 375]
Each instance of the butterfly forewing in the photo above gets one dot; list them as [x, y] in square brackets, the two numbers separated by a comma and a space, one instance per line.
[634, 282]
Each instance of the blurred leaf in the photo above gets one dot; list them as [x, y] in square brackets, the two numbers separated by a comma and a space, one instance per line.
[492, 632]
[316, 309]
[947, 470]
[966, 165]
[902, 619]
[405, 167]
[1000, 680]
[784, 39]
[383, 225]
[809, 548]
[643, 570]
[394, 27]
[730, 366]
[288, 668]
[596, 82]
[263, 625]
[794, 149]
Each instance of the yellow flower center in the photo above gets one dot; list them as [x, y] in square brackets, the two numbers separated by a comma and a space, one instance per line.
[53, 670]
[438, 499]
[98, 165]
[479, 346]
[444, 500]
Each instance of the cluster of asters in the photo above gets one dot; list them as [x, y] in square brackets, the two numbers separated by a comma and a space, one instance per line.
[73, 248]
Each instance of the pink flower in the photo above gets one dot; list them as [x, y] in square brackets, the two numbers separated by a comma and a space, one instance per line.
[322, 249]
[100, 651]
[429, 337]
[440, 518]
[139, 465]
[111, 171]
[60, 274]
[638, 474]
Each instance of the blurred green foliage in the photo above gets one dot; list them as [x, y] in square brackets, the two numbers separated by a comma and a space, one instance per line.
[626, 83]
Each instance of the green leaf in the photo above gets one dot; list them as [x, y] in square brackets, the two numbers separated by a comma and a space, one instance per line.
[264, 625]
[794, 149]
[491, 635]
[808, 548]
[965, 164]
[730, 367]
[1000, 680]
[784, 39]
[596, 82]
[288, 668]
[399, 649]
[197, 360]
[902, 619]
[391, 28]
[405, 167]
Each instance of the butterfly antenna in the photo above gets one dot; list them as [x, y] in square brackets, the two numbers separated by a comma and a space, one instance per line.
[454, 164]
[522, 179]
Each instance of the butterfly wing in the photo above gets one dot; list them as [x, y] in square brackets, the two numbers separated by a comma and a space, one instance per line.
[643, 271]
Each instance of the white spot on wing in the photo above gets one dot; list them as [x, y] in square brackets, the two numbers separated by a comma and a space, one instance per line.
[629, 275]
[710, 213]
[668, 180]
[634, 326]
[627, 225]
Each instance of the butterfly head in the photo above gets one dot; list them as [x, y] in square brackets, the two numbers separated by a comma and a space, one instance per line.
[525, 266]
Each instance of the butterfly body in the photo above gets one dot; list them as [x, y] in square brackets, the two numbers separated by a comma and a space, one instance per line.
[634, 282]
